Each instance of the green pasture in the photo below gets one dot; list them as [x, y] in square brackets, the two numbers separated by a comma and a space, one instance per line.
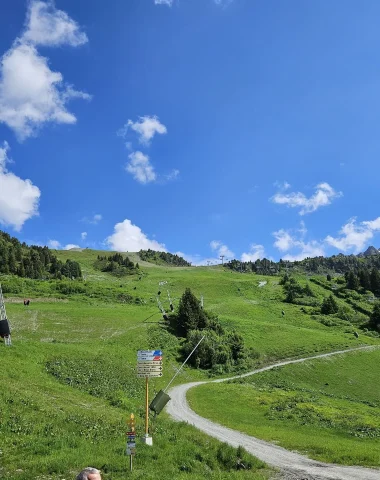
[68, 382]
[327, 409]
[69, 385]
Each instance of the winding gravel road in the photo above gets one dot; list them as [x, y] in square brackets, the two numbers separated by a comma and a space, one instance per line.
[292, 465]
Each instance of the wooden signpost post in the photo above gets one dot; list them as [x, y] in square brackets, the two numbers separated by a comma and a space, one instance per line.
[149, 365]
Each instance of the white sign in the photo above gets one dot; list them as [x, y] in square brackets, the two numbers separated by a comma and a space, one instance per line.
[149, 363]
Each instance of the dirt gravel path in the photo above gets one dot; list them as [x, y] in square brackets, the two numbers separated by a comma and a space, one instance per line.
[292, 465]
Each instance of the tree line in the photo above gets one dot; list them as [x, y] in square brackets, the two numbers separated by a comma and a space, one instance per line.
[163, 258]
[340, 264]
[263, 266]
[364, 280]
[116, 264]
[33, 261]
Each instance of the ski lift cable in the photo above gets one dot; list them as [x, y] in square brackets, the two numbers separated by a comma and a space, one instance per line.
[180, 368]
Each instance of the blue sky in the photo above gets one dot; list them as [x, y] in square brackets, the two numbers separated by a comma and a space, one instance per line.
[242, 128]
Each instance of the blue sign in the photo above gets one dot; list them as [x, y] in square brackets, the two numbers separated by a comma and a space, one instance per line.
[157, 352]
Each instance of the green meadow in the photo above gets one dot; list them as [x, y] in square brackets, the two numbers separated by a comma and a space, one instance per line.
[68, 383]
[327, 409]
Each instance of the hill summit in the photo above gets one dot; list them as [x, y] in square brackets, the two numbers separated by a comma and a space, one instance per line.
[369, 252]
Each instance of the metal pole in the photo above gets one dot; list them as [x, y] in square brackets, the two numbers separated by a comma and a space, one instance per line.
[130, 462]
[146, 407]
[180, 368]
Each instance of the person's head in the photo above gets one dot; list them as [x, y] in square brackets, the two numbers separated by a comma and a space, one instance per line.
[89, 473]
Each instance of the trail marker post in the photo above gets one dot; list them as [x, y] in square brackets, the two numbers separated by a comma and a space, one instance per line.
[131, 439]
[149, 365]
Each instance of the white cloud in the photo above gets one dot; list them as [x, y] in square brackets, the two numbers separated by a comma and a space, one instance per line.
[94, 220]
[55, 244]
[31, 94]
[146, 127]
[70, 93]
[130, 238]
[69, 246]
[282, 185]
[354, 236]
[285, 242]
[19, 198]
[323, 196]
[51, 27]
[256, 252]
[221, 249]
[173, 175]
[169, 3]
[302, 230]
[140, 167]
[83, 235]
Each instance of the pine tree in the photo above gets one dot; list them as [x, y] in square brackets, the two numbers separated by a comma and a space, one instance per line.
[12, 263]
[190, 315]
[375, 281]
[329, 305]
[352, 281]
[374, 321]
[364, 279]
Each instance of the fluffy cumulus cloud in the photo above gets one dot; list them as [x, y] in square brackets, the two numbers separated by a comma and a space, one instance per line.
[130, 238]
[287, 240]
[146, 127]
[323, 196]
[353, 236]
[31, 94]
[256, 252]
[51, 27]
[221, 249]
[140, 167]
[139, 164]
[19, 198]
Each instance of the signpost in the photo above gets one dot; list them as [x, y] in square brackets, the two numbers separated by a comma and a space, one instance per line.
[131, 439]
[149, 365]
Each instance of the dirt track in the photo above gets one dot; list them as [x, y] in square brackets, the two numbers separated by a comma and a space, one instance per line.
[292, 466]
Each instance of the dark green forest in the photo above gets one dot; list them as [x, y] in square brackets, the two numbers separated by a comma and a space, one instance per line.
[116, 264]
[339, 264]
[33, 261]
[163, 258]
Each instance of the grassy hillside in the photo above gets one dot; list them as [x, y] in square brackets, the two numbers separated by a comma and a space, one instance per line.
[70, 376]
[327, 409]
